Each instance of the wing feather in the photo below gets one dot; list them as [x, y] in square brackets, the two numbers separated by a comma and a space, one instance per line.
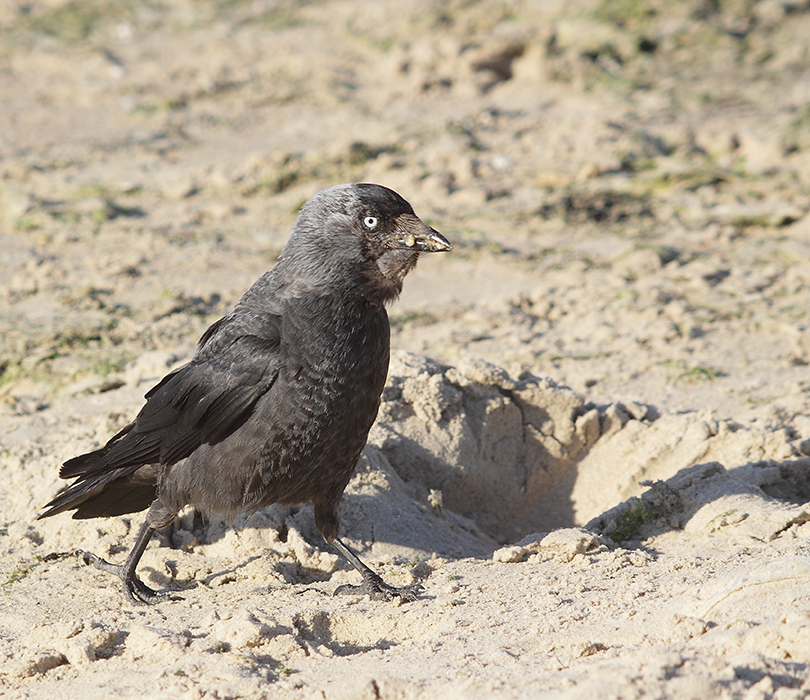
[205, 401]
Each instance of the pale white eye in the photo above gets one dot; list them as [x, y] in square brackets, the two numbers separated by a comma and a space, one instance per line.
[370, 222]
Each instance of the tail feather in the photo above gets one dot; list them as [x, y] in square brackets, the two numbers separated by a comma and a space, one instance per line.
[110, 494]
[103, 489]
[127, 450]
[72, 497]
[117, 500]
[81, 464]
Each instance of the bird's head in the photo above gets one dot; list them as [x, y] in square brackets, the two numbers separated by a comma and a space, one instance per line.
[367, 228]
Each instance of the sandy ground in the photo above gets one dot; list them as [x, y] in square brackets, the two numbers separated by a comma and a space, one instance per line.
[600, 476]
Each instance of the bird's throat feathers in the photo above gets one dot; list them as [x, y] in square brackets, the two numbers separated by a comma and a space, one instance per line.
[391, 268]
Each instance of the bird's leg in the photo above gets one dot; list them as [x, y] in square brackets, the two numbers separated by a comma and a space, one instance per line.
[373, 585]
[134, 589]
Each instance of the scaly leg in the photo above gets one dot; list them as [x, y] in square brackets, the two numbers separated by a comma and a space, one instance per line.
[373, 585]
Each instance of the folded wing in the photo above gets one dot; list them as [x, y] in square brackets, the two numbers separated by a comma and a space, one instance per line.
[205, 401]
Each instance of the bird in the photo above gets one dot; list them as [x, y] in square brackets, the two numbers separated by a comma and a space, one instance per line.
[276, 404]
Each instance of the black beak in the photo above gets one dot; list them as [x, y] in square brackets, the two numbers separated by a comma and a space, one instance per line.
[412, 234]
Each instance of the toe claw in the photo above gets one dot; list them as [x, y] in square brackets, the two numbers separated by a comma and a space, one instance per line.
[377, 589]
[138, 592]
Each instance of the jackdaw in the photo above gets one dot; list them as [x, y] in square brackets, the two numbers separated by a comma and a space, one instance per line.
[277, 402]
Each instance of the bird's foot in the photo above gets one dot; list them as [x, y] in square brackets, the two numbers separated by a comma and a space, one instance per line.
[377, 589]
[134, 589]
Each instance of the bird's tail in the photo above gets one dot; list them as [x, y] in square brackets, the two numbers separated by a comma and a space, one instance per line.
[102, 496]
[102, 489]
